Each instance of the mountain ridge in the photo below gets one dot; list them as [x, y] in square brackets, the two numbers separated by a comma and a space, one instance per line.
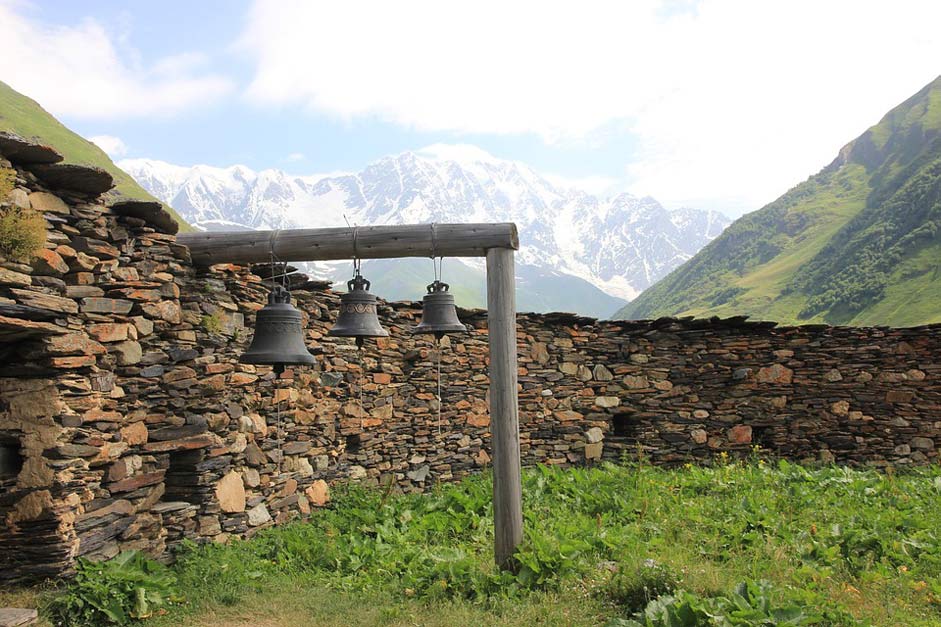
[621, 244]
[856, 243]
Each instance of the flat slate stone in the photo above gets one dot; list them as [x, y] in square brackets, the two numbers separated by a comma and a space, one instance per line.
[70, 176]
[106, 305]
[166, 507]
[25, 311]
[41, 300]
[17, 616]
[21, 150]
[151, 212]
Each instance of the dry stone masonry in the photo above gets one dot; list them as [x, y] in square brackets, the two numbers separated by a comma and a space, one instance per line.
[127, 422]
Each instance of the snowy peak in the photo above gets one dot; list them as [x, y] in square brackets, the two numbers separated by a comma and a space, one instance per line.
[463, 154]
[621, 244]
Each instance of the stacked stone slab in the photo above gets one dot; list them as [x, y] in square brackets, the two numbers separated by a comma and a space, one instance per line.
[126, 420]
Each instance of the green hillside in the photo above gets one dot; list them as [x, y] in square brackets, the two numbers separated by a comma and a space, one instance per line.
[23, 116]
[859, 243]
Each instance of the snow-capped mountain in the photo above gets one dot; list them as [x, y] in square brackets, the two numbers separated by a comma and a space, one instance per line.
[621, 244]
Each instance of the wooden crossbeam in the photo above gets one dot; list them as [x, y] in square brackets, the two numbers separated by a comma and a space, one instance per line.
[363, 242]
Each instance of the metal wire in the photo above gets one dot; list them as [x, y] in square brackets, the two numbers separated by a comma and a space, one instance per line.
[354, 231]
[278, 369]
[438, 267]
[437, 263]
[438, 348]
[362, 376]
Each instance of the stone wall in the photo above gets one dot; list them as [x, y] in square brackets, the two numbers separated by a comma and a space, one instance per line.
[81, 476]
[126, 421]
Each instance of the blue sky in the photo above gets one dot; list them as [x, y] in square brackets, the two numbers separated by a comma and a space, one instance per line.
[720, 104]
[232, 132]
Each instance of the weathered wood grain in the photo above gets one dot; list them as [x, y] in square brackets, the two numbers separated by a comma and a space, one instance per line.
[364, 242]
[504, 406]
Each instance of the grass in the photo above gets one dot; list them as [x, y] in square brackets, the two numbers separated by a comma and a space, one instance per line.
[213, 323]
[7, 183]
[23, 116]
[291, 601]
[856, 547]
[306, 602]
[913, 294]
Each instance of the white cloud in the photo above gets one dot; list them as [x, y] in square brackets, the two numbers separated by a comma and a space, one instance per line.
[79, 71]
[114, 146]
[295, 156]
[462, 153]
[469, 154]
[729, 99]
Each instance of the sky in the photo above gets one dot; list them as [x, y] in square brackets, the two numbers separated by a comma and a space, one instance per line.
[714, 104]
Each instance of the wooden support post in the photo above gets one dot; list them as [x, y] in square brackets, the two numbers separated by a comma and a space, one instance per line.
[504, 408]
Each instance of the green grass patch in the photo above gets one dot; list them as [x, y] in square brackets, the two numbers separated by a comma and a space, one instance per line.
[734, 544]
[213, 323]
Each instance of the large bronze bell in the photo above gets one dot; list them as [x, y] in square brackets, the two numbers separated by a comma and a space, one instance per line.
[358, 316]
[438, 313]
[279, 337]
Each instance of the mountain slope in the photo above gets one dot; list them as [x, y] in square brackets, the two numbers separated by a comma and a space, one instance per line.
[23, 116]
[619, 245]
[858, 243]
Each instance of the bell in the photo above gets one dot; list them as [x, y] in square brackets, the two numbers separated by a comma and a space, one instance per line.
[358, 317]
[279, 338]
[438, 313]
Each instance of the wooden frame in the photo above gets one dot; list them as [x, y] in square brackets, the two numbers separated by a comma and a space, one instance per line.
[495, 241]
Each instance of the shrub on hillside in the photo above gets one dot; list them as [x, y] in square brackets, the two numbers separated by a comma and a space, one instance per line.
[22, 233]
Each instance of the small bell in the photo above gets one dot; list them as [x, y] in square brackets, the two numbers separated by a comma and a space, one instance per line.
[358, 316]
[279, 337]
[438, 313]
